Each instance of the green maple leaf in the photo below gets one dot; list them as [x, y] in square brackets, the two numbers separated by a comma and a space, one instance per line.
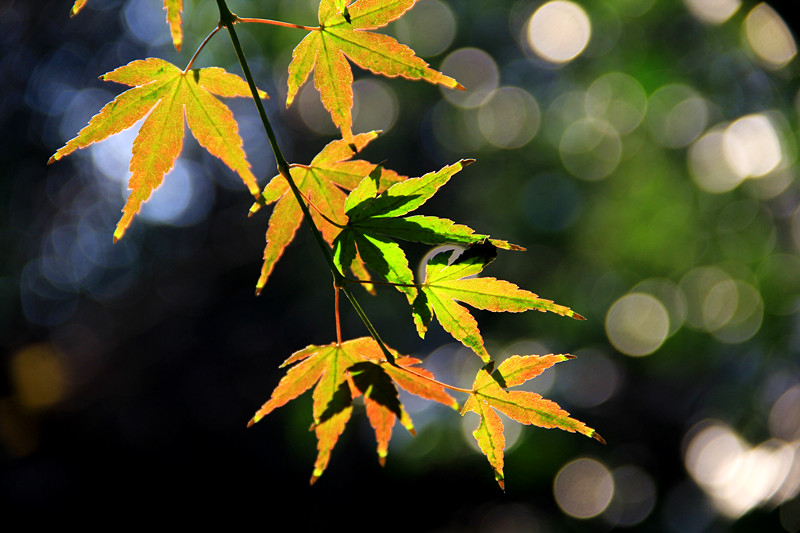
[489, 395]
[322, 182]
[173, 8]
[448, 283]
[166, 94]
[376, 220]
[342, 35]
[342, 372]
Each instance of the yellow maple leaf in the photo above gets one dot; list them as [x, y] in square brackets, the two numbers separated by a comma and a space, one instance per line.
[168, 94]
[342, 34]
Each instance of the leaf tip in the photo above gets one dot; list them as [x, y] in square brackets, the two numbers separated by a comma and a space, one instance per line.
[258, 204]
[576, 316]
[251, 422]
[316, 475]
[52, 159]
[467, 162]
[259, 288]
[569, 356]
[596, 436]
[120, 231]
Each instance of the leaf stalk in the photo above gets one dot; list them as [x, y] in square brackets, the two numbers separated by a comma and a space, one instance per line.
[276, 23]
[199, 48]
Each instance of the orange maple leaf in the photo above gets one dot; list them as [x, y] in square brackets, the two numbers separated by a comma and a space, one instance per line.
[341, 34]
[489, 394]
[343, 372]
[167, 93]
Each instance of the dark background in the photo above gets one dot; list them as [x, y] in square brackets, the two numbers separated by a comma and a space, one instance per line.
[129, 371]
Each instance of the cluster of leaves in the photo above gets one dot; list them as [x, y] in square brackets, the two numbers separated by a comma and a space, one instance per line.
[360, 212]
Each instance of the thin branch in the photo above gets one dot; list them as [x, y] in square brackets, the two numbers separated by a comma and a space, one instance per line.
[227, 19]
[338, 321]
[202, 45]
[275, 23]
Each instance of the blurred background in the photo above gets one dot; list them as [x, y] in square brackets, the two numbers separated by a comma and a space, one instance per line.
[645, 153]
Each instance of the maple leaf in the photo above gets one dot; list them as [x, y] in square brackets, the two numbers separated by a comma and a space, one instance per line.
[343, 372]
[167, 94]
[447, 284]
[341, 35]
[375, 220]
[323, 181]
[173, 8]
[489, 394]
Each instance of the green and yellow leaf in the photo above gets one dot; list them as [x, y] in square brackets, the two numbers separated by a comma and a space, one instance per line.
[448, 283]
[490, 394]
[370, 213]
[341, 36]
[375, 220]
[165, 94]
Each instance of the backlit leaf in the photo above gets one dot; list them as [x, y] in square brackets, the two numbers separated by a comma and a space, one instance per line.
[375, 221]
[490, 394]
[370, 213]
[447, 283]
[341, 36]
[342, 372]
[168, 94]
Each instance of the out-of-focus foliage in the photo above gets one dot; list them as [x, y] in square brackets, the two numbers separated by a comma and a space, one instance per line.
[643, 151]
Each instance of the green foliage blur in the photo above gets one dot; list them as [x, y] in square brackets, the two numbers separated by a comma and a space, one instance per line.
[643, 151]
